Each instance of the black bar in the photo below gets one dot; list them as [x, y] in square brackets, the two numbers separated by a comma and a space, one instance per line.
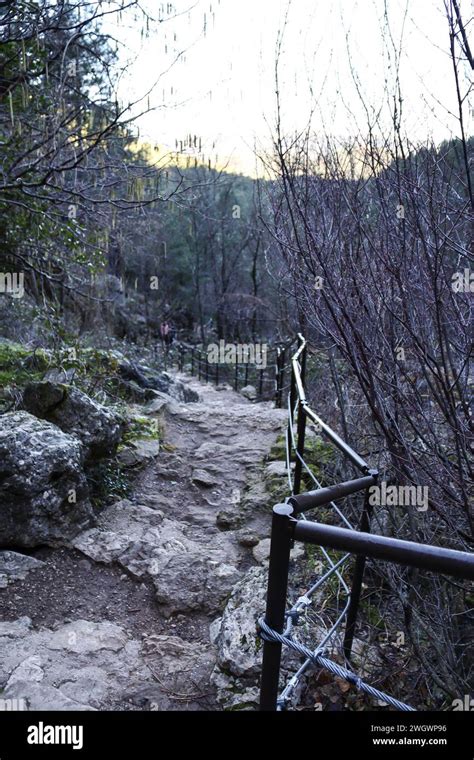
[424, 556]
[303, 364]
[276, 603]
[292, 392]
[311, 499]
[282, 377]
[217, 373]
[301, 428]
[260, 383]
[337, 441]
[357, 578]
[236, 379]
[277, 378]
[301, 432]
[289, 439]
[192, 361]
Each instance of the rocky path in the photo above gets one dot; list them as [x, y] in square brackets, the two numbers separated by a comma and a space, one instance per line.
[141, 612]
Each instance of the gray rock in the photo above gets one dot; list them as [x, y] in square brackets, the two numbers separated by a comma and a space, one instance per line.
[247, 538]
[250, 392]
[192, 581]
[229, 519]
[261, 552]
[96, 426]
[187, 575]
[158, 403]
[57, 375]
[131, 391]
[184, 393]
[214, 630]
[183, 668]
[42, 696]
[163, 382]
[44, 496]
[278, 469]
[204, 478]
[28, 670]
[101, 545]
[15, 566]
[235, 693]
[124, 532]
[139, 452]
[80, 665]
[238, 649]
[84, 636]
[15, 628]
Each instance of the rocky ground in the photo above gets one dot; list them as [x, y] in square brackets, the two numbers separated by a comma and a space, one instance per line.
[154, 607]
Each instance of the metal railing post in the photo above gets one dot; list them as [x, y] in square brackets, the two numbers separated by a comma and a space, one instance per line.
[192, 361]
[358, 576]
[301, 429]
[289, 436]
[280, 546]
[236, 379]
[260, 384]
[207, 369]
[304, 354]
[301, 433]
[278, 379]
[282, 375]
[199, 364]
[217, 373]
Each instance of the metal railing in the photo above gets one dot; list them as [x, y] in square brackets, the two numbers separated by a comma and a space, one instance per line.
[290, 524]
[268, 381]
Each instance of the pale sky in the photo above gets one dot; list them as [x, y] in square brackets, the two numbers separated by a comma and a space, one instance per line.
[210, 70]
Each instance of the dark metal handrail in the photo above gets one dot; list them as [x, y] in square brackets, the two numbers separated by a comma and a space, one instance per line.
[311, 499]
[201, 367]
[285, 529]
[409, 553]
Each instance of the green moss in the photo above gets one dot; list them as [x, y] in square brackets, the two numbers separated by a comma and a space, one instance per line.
[13, 367]
[277, 487]
[108, 482]
[317, 452]
[278, 450]
[372, 614]
[10, 351]
[139, 428]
